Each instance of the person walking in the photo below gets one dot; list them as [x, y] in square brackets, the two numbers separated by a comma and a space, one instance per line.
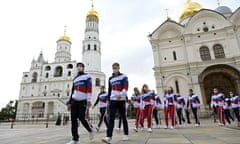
[117, 93]
[217, 100]
[171, 101]
[194, 103]
[235, 104]
[180, 105]
[157, 106]
[148, 100]
[226, 110]
[102, 99]
[79, 102]
[136, 98]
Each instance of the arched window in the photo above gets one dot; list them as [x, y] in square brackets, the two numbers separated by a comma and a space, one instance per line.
[97, 82]
[34, 77]
[58, 71]
[47, 68]
[69, 73]
[218, 51]
[177, 86]
[95, 47]
[46, 76]
[89, 47]
[69, 66]
[205, 53]
[174, 55]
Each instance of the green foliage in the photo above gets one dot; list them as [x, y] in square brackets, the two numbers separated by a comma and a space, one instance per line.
[9, 112]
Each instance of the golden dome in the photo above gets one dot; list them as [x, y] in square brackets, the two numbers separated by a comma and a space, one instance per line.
[92, 12]
[66, 38]
[189, 9]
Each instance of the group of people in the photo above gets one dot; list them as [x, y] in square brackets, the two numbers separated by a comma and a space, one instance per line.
[223, 105]
[146, 105]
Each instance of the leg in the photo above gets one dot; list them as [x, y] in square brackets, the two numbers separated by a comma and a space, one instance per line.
[82, 115]
[74, 119]
[194, 110]
[137, 111]
[166, 116]
[104, 117]
[112, 111]
[142, 118]
[149, 116]
[102, 112]
[188, 116]
[179, 116]
[122, 113]
[155, 115]
[236, 112]
[227, 113]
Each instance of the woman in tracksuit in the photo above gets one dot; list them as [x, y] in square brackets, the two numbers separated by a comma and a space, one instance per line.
[136, 98]
[148, 99]
[102, 101]
[171, 101]
[157, 106]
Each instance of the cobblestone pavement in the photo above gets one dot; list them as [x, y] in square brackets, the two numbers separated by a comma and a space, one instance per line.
[208, 132]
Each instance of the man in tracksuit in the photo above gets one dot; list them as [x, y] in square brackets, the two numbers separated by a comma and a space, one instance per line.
[79, 102]
[117, 90]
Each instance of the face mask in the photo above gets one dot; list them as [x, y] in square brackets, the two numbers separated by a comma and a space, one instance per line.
[80, 69]
[115, 71]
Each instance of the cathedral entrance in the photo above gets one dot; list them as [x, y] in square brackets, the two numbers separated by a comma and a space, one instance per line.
[223, 77]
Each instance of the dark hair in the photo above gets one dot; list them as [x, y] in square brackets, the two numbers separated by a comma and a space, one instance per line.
[191, 90]
[116, 64]
[81, 64]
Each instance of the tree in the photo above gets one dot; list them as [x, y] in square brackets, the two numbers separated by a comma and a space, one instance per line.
[9, 112]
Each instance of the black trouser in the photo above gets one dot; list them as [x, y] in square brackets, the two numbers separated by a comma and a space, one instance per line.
[115, 106]
[187, 116]
[78, 110]
[155, 115]
[119, 122]
[236, 112]
[194, 110]
[180, 116]
[103, 117]
[228, 115]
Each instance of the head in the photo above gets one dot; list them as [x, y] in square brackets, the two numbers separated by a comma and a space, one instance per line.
[190, 91]
[231, 93]
[145, 88]
[170, 90]
[165, 91]
[136, 91]
[215, 90]
[102, 88]
[80, 67]
[115, 67]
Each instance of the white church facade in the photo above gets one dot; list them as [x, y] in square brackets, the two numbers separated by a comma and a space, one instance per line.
[46, 87]
[200, 52]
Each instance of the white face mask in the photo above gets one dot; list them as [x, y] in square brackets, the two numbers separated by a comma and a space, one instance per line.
[80, 69]
[115, 71]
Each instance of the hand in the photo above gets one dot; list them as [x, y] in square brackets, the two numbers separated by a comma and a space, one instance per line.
[68, 107]
[89, 104]
[119, 97]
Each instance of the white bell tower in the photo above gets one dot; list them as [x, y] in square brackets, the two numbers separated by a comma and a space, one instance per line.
[91, 52]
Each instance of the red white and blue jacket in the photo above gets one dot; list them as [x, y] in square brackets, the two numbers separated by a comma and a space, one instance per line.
[217, 99]
[102, 99]
[235, 101]
[171, 99]
[193, 101]
[82, 88]
[180, 102]
[136, 99]
[227, 103]
[118, 85]
[148, 98]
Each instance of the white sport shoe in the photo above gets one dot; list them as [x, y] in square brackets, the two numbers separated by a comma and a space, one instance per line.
[97, 128]
[165, 127]
[91, 135]
[106, 140]
[135, 129]
[158, 127]
[172, 127]
[118, 129]
[72, 142]
[149, 130]
[125, 138]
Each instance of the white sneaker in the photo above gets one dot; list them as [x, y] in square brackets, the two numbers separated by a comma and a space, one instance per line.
[91, 135]
[106, 140]
[72, 142]
[196, 125]
[125, 138]
[172, 127]
[118, 129]
[165, 127]
[149, 130]
[135, 129]
[158, 127]
[141, 128]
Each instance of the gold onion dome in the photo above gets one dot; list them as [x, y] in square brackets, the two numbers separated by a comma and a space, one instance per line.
[189, 9]
[92, 12]
[65, 37]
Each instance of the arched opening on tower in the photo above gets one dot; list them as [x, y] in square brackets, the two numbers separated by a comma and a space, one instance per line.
[223, 77]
